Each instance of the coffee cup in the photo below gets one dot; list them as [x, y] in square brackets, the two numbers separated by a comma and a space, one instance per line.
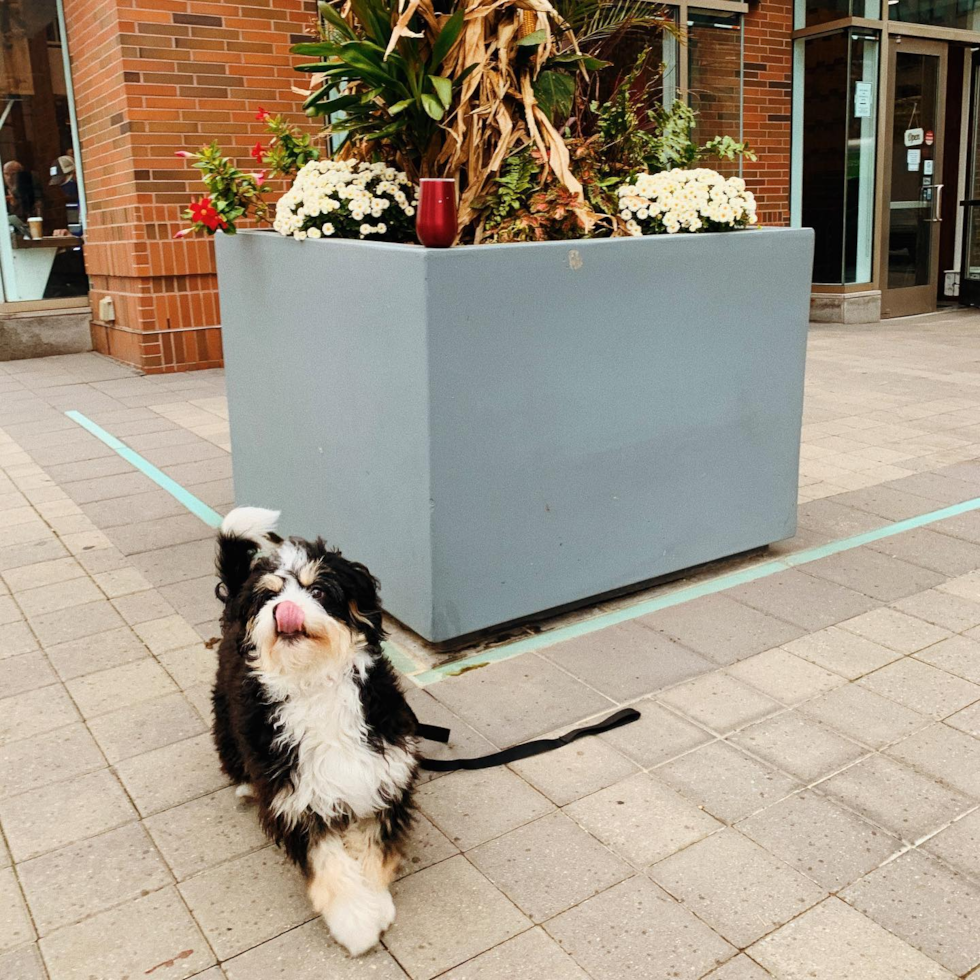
[37, 227]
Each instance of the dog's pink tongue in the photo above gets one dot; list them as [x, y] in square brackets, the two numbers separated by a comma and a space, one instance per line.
[289, 617]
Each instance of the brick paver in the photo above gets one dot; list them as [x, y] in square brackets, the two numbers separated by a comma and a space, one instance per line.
[799, 799]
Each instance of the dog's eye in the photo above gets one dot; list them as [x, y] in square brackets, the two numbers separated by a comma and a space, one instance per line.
[316, 592]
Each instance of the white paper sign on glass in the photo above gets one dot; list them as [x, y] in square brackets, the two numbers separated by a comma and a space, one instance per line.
[914, 158]
[862, 100]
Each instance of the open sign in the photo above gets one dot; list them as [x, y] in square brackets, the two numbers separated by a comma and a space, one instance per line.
[915, 137]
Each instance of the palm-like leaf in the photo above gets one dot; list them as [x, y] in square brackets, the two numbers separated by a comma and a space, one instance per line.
[594, 21]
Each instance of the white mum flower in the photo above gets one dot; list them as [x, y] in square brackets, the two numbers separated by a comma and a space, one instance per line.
[352, 189]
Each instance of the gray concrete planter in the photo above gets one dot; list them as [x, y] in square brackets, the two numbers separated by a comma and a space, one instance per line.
[501, 430]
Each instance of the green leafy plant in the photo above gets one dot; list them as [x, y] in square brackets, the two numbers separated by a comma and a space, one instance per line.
[629, 134]
[497, 95]
[639, 134]
[439, 88]
[529, 205]
[233, 193]
[377, 85]
[520, 178]
[289, 150]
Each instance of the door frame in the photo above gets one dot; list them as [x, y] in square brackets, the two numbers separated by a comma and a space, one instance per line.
[970, 288]
[909, 300]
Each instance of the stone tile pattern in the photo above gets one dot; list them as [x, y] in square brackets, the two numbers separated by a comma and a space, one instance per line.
[800, 786]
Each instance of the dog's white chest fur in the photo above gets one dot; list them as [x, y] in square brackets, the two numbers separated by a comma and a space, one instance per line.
[336, 771]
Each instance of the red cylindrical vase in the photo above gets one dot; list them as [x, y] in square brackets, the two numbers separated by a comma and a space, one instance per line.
[435, 220]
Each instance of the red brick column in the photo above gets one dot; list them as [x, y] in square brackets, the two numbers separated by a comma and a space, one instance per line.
[768, 106]
[151, 77]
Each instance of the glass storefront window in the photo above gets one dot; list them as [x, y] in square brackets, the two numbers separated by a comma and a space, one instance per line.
[714, 72]
[41, 255]
[714, 45]
[811, 12]
[970, 275]
[623, 52]
[836, 151]
[964, 14]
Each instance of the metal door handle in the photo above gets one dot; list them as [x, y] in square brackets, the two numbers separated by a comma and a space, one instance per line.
[937, 198]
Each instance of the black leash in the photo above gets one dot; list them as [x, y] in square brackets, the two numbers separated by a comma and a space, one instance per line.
[435, 733]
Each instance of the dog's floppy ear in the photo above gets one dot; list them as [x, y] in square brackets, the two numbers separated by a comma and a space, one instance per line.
[243, 533]
[364, 605]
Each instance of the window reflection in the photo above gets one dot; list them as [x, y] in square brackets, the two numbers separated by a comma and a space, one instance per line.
[715, 78]
[838, 153]
[810, 12]
[623, 52]
[964, 14]
[39, 169]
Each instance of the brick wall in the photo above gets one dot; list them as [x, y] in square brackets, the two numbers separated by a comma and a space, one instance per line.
[151, 77]
[768, 106]
[715, 58]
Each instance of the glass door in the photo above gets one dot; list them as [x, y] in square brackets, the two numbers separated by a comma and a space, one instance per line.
[970, 265]
[912, 176]
[42, 206]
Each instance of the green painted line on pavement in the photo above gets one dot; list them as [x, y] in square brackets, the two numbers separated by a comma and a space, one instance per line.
[403, 661]
[719, 584]
[197, 507]
[398, 657]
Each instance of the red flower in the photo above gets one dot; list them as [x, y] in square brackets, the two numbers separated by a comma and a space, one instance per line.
[186, 154]
[204, 212]
[263, 114]
[258, 151]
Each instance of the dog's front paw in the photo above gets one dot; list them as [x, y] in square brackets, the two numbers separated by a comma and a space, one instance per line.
[386, 910]
[357, 923]
[245, 791]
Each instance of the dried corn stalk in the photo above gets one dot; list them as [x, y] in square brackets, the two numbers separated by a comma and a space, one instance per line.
[497, 113]
[494, 112]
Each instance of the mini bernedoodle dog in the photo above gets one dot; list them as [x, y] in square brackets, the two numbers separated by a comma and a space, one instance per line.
[309, 719]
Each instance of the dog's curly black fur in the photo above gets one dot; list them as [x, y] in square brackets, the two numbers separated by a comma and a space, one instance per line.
[311, 722]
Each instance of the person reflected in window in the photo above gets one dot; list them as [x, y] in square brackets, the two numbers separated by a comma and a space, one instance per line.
[25, 199]
[68, 271]
[64, 177]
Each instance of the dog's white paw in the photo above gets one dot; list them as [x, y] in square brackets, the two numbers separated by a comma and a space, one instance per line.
[245, 791]
[358, 922]
[386, 910]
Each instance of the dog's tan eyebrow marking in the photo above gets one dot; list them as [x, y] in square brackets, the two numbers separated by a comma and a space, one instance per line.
[308, 573]
[357, 615]
[272, 582]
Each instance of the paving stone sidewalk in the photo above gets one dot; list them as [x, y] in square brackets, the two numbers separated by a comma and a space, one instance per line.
[801, 798]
